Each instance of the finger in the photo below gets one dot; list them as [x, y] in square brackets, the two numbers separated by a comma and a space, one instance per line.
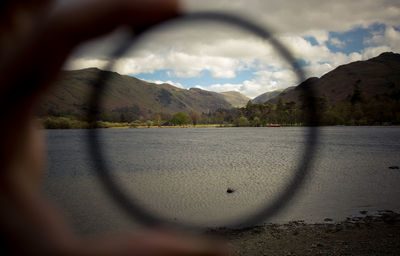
[37, 63]
[155, 243]
[95, 18]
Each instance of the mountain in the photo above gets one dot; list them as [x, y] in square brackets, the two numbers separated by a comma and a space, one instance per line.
[359, 92]
[236, 99]
[126, 95]
[375, 79]
[270, 95]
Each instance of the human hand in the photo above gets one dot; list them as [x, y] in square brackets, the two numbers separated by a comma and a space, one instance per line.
[33, 48]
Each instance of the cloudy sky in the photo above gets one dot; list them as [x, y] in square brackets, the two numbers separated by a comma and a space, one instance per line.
[321, 35]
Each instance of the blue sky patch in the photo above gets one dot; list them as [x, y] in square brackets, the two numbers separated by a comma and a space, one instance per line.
[354, 40]
[303, 63]
[311, 39]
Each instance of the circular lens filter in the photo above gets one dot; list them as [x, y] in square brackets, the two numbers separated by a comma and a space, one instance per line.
[127, 201]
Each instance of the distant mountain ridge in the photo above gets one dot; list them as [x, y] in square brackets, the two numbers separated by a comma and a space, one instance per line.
[375, 83]
[236, 99]
[270, 95]
[129, 95]
[373, 78]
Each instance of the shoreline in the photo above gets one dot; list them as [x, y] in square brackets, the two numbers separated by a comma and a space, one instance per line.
[60, 123]
[365, 235]
[214, 126]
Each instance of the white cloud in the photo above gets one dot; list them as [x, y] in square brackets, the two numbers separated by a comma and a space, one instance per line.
[371, 52]
[183, 65]
[390, 38]
[199, 87]
[319, 57]
[305, 15]
[336, 42]
[393, 38]
[85, 63]
[187, 50]
[264, 81]
[321, 36]
[179, 85]
[274, 73]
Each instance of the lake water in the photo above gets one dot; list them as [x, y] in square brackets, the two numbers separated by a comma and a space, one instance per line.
[183, 174]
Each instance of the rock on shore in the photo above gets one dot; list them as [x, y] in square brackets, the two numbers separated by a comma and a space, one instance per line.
[366, 235]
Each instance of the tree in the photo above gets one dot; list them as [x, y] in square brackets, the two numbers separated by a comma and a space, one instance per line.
[122, 118]
[180, 118]
[256, 122]
[249, 104]
[195, 116]
[149, 123]
[219, 117]
[357, 93]
[280, 106]
[158, 120]
[135, 124]
[280, 112]
[241, 121]
[166, 118]
[291, 109]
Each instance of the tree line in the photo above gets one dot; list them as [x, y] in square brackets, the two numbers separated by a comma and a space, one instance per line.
[381, 109]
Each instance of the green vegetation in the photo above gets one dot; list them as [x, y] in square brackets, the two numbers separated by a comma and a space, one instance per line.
[380, 110]
[72, 123]
[241, 121]
[355, 110]
[64, 123]
[359, 93]
[180, 118]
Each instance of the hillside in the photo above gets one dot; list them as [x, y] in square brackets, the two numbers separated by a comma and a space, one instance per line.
[362, 92]
[126, 95]
[377, 78]
[236, 99]
[270, 95]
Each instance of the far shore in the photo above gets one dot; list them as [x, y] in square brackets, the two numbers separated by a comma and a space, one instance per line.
[118, 126]
[175, 126]
[72, 123]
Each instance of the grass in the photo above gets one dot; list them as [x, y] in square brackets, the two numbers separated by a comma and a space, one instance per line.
[73, 123]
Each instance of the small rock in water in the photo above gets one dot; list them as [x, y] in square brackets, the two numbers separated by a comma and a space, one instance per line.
[328, 219]
[230, 190]
[363, 212]
[394, 167]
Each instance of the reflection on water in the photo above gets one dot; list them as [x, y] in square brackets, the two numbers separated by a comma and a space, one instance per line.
[183, 174]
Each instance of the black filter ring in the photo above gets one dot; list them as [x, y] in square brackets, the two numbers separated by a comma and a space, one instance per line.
[129, 203]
